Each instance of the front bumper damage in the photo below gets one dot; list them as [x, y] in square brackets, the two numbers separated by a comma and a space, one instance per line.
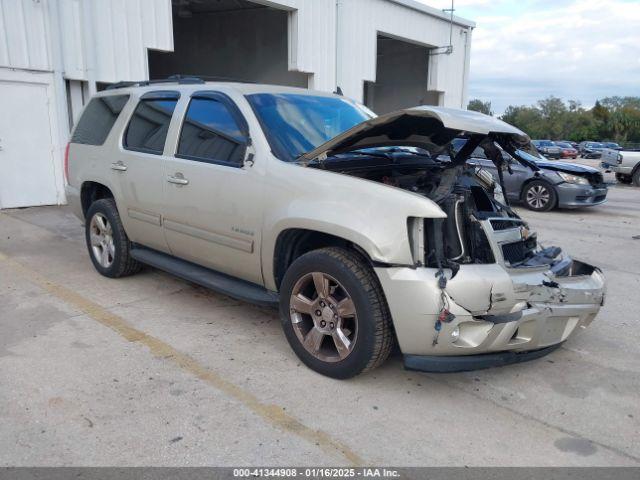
[501, 315]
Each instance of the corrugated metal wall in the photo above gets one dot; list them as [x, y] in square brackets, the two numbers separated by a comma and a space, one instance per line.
[107, 40]
[24, 37]
[101, 40]
[312, 39]
[360, 22]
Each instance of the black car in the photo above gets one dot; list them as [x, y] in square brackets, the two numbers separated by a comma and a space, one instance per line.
[591, 149]
[612, 146]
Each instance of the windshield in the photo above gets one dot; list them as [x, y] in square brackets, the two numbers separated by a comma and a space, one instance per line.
[478, 153]
[535, 158]
[296, 123]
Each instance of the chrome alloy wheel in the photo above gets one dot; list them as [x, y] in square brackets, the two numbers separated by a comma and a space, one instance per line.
[101, 237]
[538, 196]
[323, 317]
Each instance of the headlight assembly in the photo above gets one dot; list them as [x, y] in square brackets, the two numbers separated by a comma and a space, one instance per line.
[567, 177]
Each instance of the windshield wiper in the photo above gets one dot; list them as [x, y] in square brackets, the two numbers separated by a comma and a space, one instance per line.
[368, 154]
[386, 154]
[406, 150]
[354, 152]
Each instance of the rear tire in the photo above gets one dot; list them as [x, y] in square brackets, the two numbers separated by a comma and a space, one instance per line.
[107, 242]
[334, 313]
[539, 196]
[622, 178]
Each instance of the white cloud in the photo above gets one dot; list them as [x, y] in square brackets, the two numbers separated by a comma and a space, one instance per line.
[574, 49]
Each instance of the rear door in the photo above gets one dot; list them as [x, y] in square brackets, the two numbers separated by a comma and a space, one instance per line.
[213, 200]
[137, 168]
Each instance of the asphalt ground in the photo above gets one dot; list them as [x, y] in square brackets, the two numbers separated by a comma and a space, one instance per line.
[153, 371]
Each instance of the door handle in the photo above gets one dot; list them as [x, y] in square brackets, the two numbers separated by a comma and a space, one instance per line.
[120, 167]
[178, 179]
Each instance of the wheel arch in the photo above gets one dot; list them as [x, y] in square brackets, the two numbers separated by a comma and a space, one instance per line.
[91, 191]
[292, 243]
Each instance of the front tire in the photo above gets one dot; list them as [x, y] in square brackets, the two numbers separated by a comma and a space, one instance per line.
[636, 177]
[334, 313]
[539, 196]
[107, 242]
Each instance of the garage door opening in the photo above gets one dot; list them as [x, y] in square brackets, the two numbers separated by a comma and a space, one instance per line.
[401, 77]
[233, 39]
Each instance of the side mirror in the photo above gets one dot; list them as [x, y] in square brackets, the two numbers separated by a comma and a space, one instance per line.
[249, 153]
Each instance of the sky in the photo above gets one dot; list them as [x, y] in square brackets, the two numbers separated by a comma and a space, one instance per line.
[526, 50]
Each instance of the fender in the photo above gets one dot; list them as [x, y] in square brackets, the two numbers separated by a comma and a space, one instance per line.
[369, 214]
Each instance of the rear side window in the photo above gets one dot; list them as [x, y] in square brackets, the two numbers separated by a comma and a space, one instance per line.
[149, 124]
[98, 118]
[211, 134]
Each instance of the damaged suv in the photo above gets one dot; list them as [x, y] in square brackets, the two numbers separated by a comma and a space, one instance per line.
[366, 231]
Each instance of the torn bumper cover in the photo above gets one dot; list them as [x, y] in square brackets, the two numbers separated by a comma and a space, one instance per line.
[500, 315]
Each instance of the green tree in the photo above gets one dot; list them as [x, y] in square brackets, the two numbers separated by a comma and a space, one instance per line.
[527, 119]
[554, 115]
[611, 118]
[478, 105]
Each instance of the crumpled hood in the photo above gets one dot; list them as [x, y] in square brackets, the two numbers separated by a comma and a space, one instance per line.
[567, 167]
[425, 127]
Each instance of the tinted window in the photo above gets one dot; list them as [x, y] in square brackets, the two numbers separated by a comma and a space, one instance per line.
[147, 130]
[211, 134]
[98, 118]
[295, 124]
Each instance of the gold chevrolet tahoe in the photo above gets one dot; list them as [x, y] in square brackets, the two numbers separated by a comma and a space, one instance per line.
[365, 231]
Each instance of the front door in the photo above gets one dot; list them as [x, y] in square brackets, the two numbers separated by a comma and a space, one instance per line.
[512, 181]
[213, 200]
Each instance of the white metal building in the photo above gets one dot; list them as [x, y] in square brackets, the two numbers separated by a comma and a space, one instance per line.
[55, 53]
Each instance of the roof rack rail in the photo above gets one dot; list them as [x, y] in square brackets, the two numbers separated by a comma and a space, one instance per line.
[179, 79]
[116, 85]
[217, 78]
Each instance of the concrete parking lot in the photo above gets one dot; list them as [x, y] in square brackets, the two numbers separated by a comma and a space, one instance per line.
[151, 370]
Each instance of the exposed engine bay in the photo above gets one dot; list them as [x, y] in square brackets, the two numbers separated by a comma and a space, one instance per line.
[468, 195]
